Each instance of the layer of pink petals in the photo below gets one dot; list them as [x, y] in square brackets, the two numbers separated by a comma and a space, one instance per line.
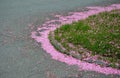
[75, 16]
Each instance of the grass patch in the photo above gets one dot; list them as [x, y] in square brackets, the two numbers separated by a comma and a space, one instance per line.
[99, 34]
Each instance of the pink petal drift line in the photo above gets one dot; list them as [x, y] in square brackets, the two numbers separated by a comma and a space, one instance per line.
[46, 45]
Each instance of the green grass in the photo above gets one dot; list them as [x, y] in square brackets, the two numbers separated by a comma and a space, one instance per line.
[99, 34]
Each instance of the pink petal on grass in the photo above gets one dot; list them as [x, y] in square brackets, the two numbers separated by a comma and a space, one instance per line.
[47, 46]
